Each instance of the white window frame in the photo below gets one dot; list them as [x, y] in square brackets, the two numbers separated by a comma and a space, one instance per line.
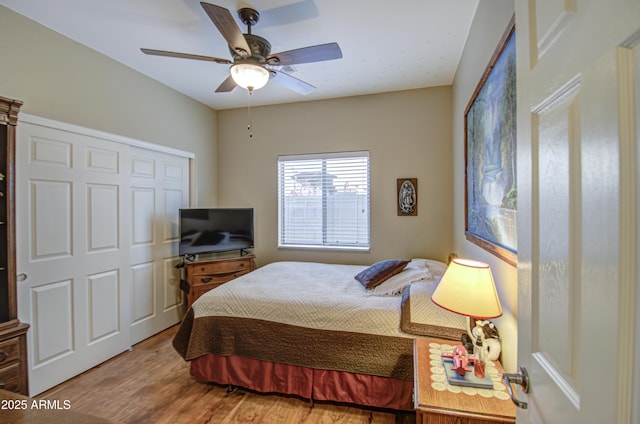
[362, 224]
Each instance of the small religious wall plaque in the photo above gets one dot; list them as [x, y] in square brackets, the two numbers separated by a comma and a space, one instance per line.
[407, 196]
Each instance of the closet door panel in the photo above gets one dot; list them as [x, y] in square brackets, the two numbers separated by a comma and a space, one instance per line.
[159, 187]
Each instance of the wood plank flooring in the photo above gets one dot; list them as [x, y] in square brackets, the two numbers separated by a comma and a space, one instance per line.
[151, 384]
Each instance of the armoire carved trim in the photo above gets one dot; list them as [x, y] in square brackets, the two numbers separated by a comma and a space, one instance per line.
[13, 343]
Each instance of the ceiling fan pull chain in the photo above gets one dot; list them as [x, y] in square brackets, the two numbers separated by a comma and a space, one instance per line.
[250, 90]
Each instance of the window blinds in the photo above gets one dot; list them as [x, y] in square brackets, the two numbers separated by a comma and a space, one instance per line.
[323, 200]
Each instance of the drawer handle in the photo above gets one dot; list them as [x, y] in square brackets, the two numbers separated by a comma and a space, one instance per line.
[205, 279]
[3, 355]
[2, 384]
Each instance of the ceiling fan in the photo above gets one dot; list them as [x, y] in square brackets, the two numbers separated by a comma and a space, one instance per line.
[253, 64]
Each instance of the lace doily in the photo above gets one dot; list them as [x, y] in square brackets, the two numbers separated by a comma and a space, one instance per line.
[439, 378]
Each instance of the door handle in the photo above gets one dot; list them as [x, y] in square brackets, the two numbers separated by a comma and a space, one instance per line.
[522, 379]
[21, 277]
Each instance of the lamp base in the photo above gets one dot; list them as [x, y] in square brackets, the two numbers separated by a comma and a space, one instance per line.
[489, 334]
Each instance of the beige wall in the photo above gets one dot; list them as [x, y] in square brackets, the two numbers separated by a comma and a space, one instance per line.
[408, 135]
[60, 79]
[490, 22]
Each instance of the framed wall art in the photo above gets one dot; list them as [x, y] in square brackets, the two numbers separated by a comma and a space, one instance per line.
[490, 155]
[407, 197]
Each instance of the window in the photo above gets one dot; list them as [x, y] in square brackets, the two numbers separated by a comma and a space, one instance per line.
[323, 200]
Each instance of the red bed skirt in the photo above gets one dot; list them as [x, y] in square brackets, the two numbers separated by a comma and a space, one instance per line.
[323, 385]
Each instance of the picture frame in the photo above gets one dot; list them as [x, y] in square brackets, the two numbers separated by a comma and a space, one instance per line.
[407, 196]
[490, 155]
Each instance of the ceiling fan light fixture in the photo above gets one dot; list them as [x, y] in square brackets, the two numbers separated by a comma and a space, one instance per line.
[249, 75]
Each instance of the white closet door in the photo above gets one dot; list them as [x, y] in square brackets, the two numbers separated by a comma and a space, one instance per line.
[96, 235]
[159, 186]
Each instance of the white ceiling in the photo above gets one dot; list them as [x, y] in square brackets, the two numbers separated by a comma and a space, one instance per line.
[386, 45]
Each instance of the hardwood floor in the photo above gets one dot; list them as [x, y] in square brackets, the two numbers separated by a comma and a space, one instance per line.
[151, 384]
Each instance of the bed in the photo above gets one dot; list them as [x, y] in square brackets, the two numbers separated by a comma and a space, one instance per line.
[313, 330]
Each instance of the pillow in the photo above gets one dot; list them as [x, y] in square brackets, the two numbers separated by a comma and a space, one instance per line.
[393, 286]
[417, 263]
[375, 274]
[436, 267]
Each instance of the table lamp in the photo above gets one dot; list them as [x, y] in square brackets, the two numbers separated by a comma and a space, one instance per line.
[467, 288]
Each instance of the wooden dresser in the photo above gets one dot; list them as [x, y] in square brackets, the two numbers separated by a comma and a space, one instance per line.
[203, 276]
[13, 359]
[13, 333]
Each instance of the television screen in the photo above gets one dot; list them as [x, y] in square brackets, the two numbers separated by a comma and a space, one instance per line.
[215, 230]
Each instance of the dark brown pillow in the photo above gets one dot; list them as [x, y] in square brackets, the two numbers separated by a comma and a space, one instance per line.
[380, 271]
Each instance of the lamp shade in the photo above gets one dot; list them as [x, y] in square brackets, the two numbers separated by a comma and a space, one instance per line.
[467, 288]
[249, 75]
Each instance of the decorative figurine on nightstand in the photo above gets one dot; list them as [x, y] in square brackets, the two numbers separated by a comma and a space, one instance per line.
[460, 358]
[490, 336]
[467, 342]
[479, 355]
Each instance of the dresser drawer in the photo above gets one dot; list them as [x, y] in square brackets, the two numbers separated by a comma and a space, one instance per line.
[9, 351]
[222, 267]
[216, 279]
[13, 359]
[199, 290]
[11, 378]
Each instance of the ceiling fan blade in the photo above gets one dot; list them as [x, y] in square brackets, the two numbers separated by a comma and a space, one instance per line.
[309, 54]
[223, 20]
[292, 83]
[226, 86]
[186, 56]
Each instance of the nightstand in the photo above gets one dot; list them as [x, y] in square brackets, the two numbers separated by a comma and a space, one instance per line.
[438, 403]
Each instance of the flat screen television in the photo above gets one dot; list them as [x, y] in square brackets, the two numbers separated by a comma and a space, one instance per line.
[212, 230]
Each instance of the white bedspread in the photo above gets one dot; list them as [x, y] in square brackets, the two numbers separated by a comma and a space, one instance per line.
[306, 294]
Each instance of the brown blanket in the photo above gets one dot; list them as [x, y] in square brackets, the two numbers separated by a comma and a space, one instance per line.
[450, 327]
[321, 349]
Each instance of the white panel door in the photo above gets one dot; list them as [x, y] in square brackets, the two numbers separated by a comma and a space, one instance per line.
[159, 187]
[576, 208]
[97, 237]
[69, 248]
